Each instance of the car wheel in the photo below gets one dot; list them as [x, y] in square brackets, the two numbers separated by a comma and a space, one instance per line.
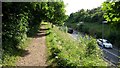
[103, 46]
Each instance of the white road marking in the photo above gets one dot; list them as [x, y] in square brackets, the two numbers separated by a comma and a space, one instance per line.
[108, 61]
[111, 53]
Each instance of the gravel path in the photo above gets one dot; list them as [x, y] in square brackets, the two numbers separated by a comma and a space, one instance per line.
[36, 55]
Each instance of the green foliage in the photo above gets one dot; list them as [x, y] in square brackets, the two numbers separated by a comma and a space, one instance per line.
[22, 20]
[14, 24]
[112, 12]
[10, 55]
[65, 51]
[109, 11]
[63, 28]
[95, 30]
[93, 15]
[112, 15]
[56, 9]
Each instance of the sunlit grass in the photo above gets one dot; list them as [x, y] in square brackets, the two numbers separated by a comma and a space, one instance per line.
[65, 51]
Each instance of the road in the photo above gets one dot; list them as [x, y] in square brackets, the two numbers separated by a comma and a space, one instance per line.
[110, 55]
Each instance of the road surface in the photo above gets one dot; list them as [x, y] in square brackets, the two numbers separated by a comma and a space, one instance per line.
[110, 55]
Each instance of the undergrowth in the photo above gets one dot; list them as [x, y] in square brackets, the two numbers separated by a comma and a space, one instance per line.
[11, 55]
[65, 51]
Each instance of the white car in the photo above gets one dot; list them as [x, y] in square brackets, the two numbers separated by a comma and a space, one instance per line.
[104, 43]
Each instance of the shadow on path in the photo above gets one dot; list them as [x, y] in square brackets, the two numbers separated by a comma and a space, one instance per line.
[44, 29]
[18, 52]
[41, 33]
[24, 53]
[36, 50]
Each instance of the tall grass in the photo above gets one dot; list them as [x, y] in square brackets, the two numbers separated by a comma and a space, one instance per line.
[65, 51]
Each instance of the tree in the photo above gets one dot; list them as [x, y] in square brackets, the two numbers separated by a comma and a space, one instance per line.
[56, 13]
[19, 19]
[91, 16]
[112, 15]
[112, 12]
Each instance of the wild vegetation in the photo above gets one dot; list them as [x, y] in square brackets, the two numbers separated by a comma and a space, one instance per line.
[22, 20]
[91, 21]
[65, 51]
[93, 15]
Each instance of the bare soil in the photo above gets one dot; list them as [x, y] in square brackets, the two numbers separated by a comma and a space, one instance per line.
[37, 54]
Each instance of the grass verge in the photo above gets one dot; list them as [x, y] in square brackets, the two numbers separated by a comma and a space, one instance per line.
[65, 51]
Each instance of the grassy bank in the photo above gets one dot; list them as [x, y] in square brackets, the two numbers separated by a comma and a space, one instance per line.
[63, 50]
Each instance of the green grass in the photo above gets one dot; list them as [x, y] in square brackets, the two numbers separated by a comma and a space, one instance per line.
[63, 50]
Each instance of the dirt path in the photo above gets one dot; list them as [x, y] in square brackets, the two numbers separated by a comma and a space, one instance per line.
[37, 51]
